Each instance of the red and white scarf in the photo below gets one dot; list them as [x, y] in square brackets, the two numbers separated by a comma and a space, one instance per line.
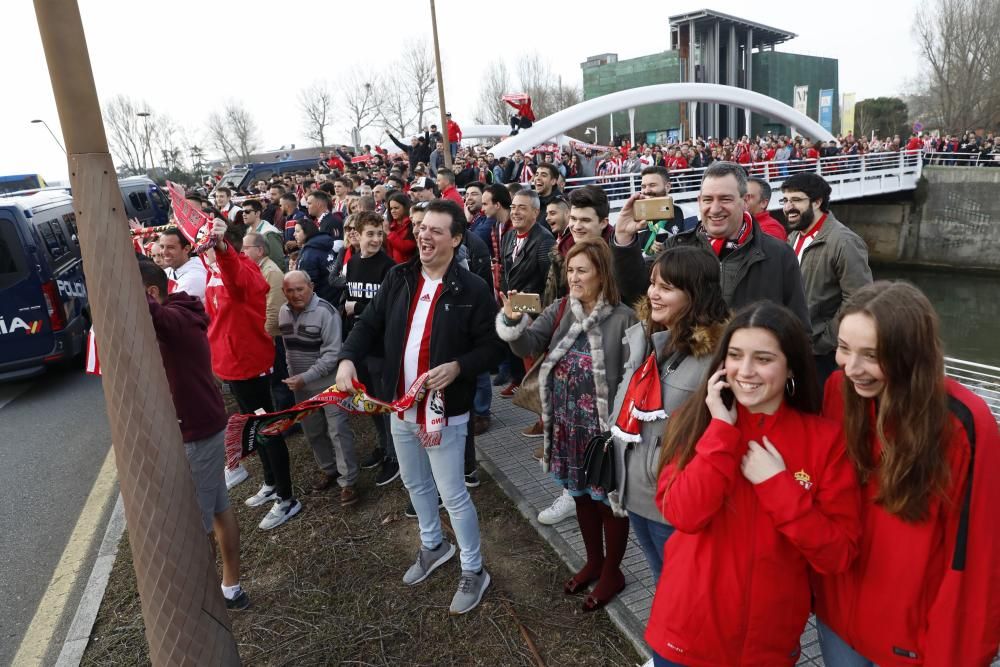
[721, 246]
[428, 411]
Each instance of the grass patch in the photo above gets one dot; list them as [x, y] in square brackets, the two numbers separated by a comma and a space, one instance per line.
[326, 588]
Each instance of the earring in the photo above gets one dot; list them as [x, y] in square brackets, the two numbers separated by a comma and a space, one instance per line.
[790, 386]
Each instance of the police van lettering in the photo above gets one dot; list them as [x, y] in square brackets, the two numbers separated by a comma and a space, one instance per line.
[66, 288]
[17, 324]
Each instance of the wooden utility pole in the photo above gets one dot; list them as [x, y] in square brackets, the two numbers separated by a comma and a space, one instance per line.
[182, 606]
[440, 78]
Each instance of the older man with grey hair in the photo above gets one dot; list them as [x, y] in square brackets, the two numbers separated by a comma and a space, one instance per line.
[312, 332]
[525, 258]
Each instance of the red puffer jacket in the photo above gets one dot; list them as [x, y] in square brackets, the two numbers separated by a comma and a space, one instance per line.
[735, 582]
[926, 593]
[236, 300]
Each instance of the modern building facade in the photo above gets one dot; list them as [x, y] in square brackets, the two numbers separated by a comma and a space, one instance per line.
[712, 47]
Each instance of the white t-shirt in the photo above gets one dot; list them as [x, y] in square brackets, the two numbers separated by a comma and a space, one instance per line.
[420, 329]
[191, 277]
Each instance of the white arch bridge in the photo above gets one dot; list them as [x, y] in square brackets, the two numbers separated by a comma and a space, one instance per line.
[849, 176]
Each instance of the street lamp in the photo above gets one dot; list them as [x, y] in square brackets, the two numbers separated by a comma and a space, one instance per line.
[54, 137]
[593, 131]
[144, 115]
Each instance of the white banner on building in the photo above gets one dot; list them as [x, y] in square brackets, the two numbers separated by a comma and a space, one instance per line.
[801, 99]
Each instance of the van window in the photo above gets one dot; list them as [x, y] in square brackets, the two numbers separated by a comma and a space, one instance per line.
[160, 200]
[12, 261]
[139, 200]
[58, 247]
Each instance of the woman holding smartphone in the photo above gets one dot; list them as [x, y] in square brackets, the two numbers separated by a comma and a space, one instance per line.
[759, 489]
[582, 336]
[925, 589]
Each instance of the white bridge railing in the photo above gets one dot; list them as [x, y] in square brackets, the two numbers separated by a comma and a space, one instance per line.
[962, 159]
[850, 176]
[982, 379]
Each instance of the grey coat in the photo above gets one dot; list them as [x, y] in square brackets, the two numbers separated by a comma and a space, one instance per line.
[605, 330]
[638, 462]
[834, 266]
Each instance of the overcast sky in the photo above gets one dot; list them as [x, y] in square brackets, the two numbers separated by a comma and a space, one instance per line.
[263, 53]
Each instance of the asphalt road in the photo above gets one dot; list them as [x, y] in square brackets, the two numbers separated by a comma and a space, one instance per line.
[53, 439]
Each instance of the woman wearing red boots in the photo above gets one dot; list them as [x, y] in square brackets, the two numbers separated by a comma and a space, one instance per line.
[582, 334]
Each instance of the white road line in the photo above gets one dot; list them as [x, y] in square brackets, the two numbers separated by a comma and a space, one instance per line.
[41, 631]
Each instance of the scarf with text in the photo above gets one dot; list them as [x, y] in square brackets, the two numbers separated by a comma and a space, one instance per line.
[244, 433]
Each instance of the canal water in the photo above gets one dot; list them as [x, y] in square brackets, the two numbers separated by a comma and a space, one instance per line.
[967, 305]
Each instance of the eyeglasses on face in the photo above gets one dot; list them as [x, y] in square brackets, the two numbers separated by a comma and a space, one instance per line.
[793, 200]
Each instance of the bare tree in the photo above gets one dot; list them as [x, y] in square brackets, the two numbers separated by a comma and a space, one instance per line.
[397, 112]
[126, 133]
[958, 42]
[243, 129]
[494, 84]
[420, 78]
[218, 136]
[317, 111]
[534, 78]
[362, 100]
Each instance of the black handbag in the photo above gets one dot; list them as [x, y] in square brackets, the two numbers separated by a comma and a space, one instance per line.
[599, 463]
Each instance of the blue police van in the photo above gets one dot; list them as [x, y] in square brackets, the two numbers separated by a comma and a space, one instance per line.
[44, 311]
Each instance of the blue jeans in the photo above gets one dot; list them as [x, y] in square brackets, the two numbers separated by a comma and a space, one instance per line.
[484, 396]
[651, 535]
[660, 661]
[837, 652]
[443, 467]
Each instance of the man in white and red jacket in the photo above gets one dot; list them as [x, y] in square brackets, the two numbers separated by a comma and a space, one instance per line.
[243, 355]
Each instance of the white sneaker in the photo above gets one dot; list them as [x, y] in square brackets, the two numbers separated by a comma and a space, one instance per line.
[266, 494]
[281, 511]
[236, 476]
[561, 509]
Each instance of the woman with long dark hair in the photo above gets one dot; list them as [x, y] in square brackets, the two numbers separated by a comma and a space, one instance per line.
[667, 355]
[759, 489]
[400, 243]
[314, 256]
[925, 586]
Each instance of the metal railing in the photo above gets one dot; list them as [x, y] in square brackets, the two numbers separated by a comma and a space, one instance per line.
[943, 159]
[981, 379]
[870, 173]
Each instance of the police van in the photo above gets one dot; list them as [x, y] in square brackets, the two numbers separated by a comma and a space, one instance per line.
[44, 311]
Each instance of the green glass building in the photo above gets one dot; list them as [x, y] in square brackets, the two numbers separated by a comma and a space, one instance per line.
[712, 47]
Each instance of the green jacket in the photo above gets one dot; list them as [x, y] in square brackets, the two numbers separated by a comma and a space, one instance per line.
[834, 266]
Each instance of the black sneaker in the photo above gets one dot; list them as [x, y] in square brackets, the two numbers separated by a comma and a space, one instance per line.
[472, 479]
[374, 459]
[387, 473]
[411, 513]
[238, 603]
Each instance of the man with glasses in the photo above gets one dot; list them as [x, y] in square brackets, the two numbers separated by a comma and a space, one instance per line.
[833, 260]
[272, 237]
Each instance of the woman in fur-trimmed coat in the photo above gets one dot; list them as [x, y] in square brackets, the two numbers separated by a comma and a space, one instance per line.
[667, 355]
[582, 334]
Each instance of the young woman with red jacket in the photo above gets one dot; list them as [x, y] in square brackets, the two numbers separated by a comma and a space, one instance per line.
[758, 492]
[925, 589]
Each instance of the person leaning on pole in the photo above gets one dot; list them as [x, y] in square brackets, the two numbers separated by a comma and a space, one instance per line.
[433, 317]
[181, 326]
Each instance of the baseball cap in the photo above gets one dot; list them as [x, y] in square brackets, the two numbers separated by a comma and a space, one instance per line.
[421, 183]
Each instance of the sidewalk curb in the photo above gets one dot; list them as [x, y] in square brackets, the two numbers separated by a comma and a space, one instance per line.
[78, 635]
[620, 615]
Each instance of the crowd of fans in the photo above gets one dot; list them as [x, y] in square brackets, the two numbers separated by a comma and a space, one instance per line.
[780, 431]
